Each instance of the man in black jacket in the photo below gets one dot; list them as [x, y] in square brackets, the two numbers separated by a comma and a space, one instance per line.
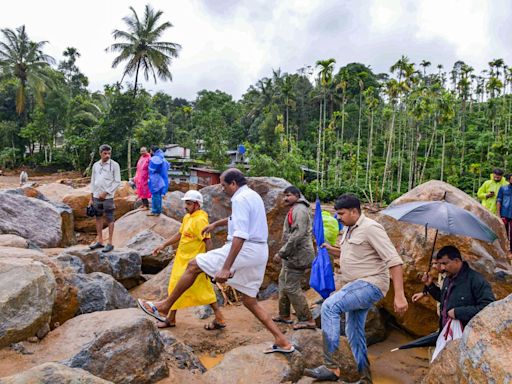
[464, 293]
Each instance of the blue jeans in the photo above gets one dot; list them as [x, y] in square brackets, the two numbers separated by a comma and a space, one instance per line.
[156, 203]
[355, 299]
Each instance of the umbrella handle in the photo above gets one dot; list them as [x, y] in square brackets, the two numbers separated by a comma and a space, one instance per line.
[432, 253]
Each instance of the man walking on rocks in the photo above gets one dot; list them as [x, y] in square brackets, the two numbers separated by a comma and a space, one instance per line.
[105, 179]
[296, 255]
[367, 260]
[242, 260]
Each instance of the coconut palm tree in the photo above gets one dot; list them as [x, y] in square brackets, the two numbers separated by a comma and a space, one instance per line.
[142, 50]
[24, 60]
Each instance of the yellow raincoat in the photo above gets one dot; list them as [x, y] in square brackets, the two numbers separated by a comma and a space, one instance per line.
[190, 245]
[488, 186]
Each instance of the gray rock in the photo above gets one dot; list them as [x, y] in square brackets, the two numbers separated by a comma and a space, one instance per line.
[33, 219]
[64, 210]
[122, 346]
[144, 243]
[70, 263]
[248, 364]
[27, 295]
[172, 205]
[100, 292]
[122, 264]
[182, 354]
[53, 373]
[309, 343]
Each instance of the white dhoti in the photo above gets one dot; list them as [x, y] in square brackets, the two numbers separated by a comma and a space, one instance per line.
[248, 268]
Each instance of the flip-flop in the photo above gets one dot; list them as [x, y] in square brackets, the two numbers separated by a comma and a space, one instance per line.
[276, 348]
[155, 312]
[303, 325]
[281, 320]
[213, 325]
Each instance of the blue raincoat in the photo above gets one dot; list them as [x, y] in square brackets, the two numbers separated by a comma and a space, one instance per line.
[158, 173]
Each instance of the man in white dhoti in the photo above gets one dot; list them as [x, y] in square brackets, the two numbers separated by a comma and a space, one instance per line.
[242, 260]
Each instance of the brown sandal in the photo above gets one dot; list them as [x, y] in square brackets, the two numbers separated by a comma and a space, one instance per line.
[165, 324]
[214, 325]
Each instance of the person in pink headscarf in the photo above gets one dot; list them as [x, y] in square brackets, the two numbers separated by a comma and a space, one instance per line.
[142, 176]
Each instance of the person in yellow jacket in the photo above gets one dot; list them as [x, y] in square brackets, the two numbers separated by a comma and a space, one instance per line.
[488, 192]
[191, 243]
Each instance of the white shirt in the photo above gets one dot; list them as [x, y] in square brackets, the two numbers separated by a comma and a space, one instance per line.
[105, 177]
[248, 219]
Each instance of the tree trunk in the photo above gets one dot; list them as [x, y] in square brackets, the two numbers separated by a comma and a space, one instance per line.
[129, 149]
[388, 155]
[443, 151]
[359, 136]
[369, 155]
[319, 145]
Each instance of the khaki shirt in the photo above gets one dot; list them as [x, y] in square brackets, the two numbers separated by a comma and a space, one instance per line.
[367, 253]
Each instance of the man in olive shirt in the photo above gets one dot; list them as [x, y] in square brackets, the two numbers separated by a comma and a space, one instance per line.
[368, 258]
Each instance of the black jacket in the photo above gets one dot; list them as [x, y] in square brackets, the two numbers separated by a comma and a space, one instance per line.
[469, 295]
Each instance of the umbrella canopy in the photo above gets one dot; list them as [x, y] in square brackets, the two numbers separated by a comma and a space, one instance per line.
[425, 341]
[444, 216]
[322, 277]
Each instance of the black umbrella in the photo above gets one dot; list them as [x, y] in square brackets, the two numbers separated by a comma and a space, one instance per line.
[425, 341]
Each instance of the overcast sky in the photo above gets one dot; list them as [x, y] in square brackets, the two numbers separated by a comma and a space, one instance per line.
[230, 44]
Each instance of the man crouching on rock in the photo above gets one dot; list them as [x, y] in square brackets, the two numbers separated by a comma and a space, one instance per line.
[105, 179]
[242, 260]
[367, 260]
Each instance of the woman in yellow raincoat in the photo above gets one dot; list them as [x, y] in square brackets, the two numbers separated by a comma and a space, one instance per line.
[191, 243]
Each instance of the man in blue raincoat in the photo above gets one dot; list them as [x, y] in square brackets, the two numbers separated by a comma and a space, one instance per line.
[158, 179]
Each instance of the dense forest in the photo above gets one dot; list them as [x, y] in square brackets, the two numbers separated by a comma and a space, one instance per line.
[376, 134]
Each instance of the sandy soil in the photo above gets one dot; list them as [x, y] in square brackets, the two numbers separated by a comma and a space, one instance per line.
[12, 180]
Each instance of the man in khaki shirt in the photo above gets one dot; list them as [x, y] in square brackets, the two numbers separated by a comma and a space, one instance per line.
[367, 260]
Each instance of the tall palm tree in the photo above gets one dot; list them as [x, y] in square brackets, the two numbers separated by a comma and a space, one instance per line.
[141, 48]
[24, 60]
[325, 79]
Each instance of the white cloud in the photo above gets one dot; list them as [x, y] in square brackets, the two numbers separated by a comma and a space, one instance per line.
[230, 44]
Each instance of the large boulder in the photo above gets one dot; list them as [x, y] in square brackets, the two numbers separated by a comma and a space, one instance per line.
[486, 345]
[247, 364]
[482, 355]
[122, 346]
[53, 373]
[144, 243]
[27, 295]
[122, 264]
[55, 191]
[415, 249]
[33, 219]
[156, 287]
[309, 343]
[78, 199]
[65, 212]
[172, 205]
[16, 241]
[66, 304]
[101, 292]
[218, 206]
[135, 222]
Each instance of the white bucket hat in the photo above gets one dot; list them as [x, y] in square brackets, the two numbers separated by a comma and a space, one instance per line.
[193, 196]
